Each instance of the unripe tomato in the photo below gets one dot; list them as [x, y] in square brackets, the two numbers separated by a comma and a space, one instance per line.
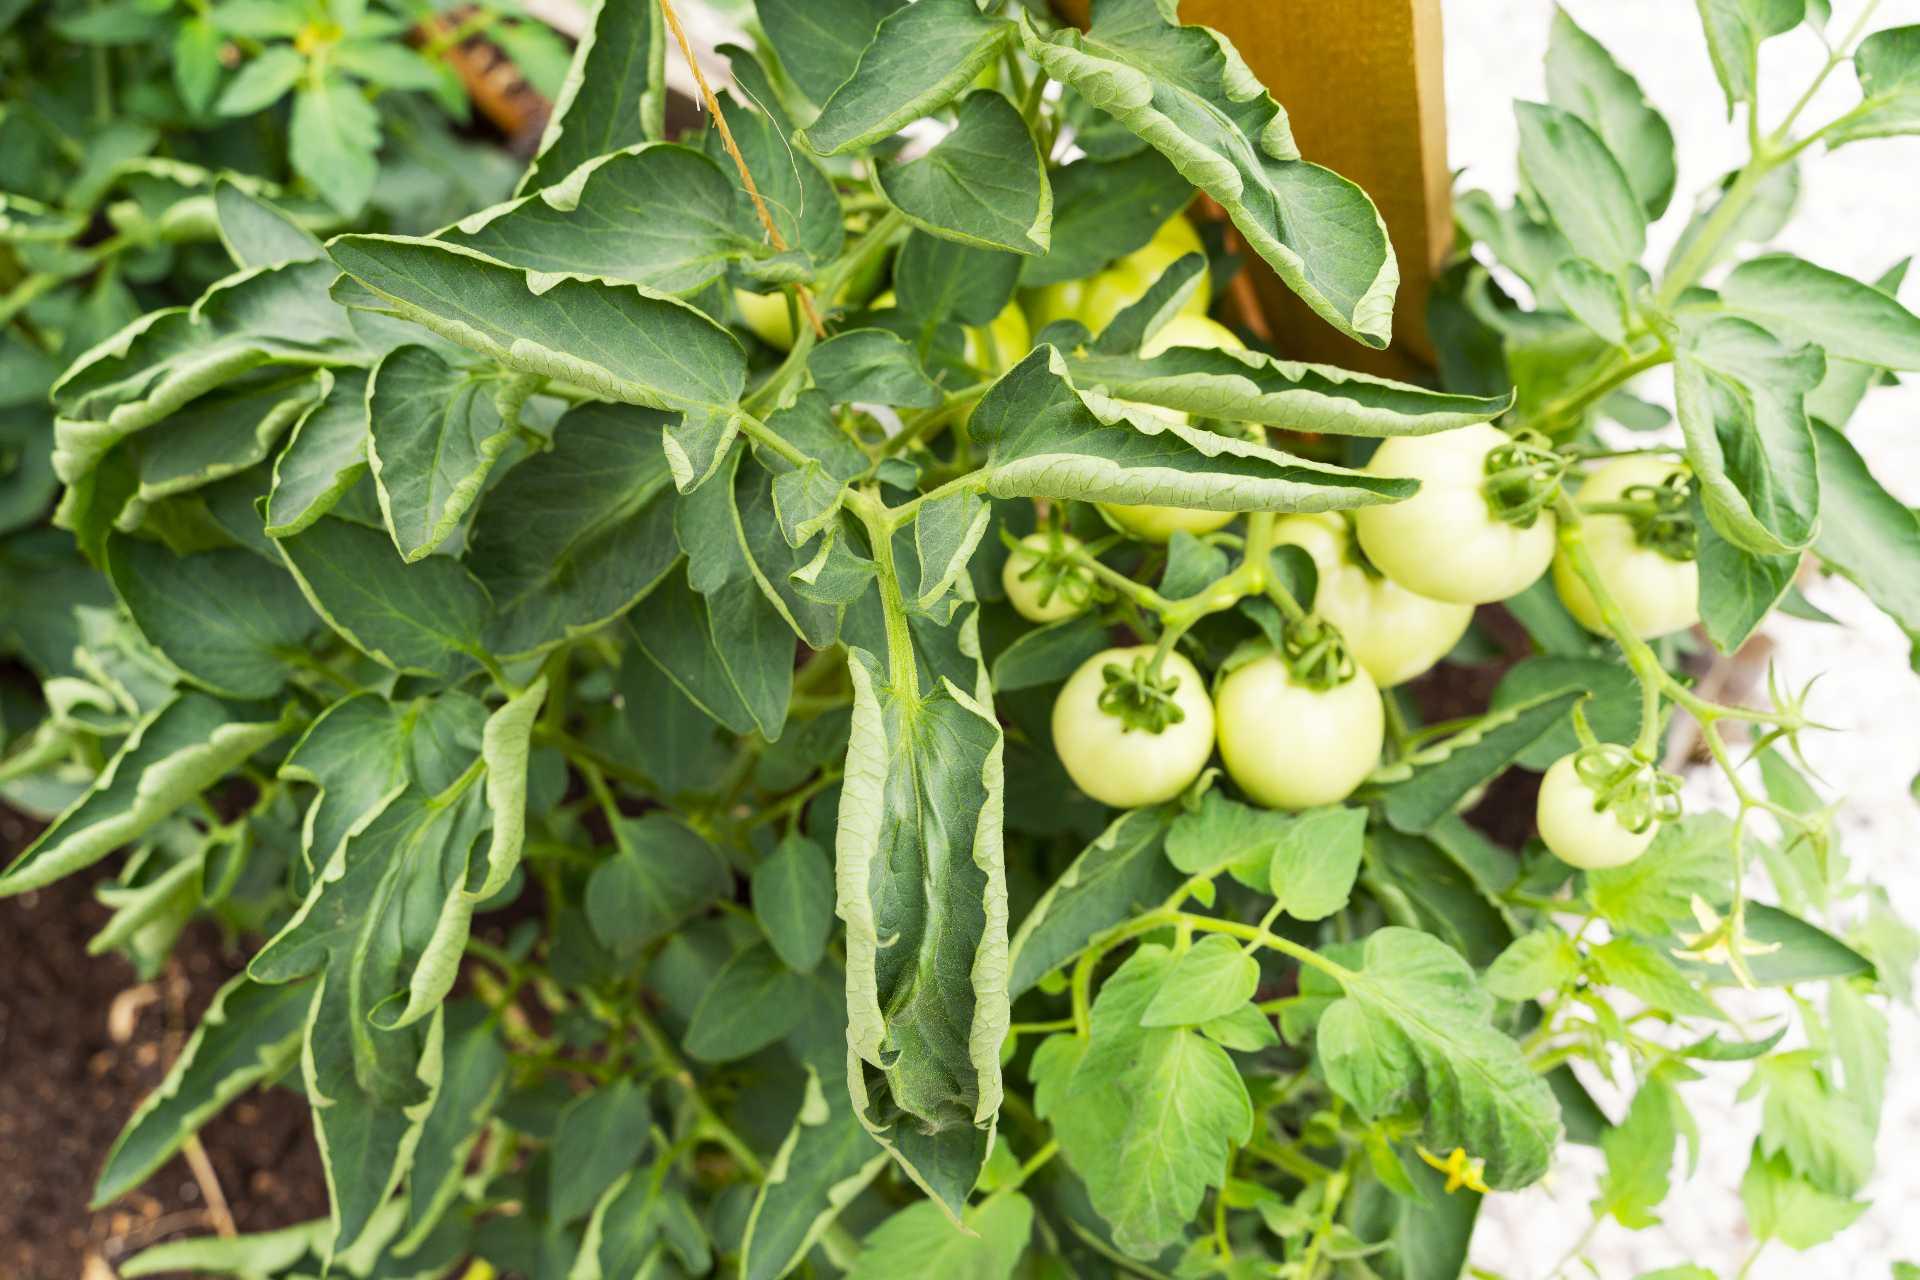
[1291, 746]
[998, 346]
[1129, 767]
[1445, 542]
[1041, 592]
[1576, 830]
[1096, 300]
[1175, 239]
[1657, 593]
[1159, 524]
[1392, 633]
[1186, 330]
[766, 317]
[1109, 293]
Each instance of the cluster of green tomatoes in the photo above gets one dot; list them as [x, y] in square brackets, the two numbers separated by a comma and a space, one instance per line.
[1302, 724]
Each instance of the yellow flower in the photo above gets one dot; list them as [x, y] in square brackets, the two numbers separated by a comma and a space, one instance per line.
[1722, 941]
[1461, 1170]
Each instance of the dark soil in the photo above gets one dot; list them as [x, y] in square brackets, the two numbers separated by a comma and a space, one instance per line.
[82, 1041]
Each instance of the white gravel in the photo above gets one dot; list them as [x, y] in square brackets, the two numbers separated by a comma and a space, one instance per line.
[1860, 211]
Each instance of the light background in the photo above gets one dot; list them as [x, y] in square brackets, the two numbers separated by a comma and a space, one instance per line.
[1859, 213]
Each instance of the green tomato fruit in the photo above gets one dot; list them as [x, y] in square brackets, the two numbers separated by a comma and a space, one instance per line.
[766, 317]
[1128, 767]
[1291, 746]
[1110, 293]
[1186, 330]
[998, 346]
[1445, 542]
[1054, 302]
[1175, 239]
[1159, 524]
[1391, 632]
[1096, 300]
[1657, 593]
[1041, 591]
[1577, 830]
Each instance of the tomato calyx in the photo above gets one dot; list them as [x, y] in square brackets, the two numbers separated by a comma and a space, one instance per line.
[1661, 515]
[1637, 791]
[1140, 695]
[1055, 570]
[1523, 479]
[1316, 653]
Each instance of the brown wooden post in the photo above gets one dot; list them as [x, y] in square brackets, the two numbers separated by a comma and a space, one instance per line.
[1362, 82]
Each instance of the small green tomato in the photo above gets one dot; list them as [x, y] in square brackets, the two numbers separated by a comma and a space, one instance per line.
[766, 317]
[1096, 300]
[1129, 767]
[1658, 593]
[996, 347]
[1445, 542]
[1390, 631]
[1159, 524]
[1291, 746]
[1039, 586]
[1577, 830]
[1186, 330]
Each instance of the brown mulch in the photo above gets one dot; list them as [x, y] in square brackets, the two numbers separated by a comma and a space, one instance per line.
[82, 1041]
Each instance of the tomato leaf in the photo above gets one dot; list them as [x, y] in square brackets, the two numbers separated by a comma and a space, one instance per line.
[603, 220]
[1210, 980]
[1735, 31]
[1887, 64]
[1102, 210]
[753, 1002]
[1316, 861]
[1412, 1028]
[1640, 1151]
[1044, 437]
[250, 1033]
[1867, 534]
[1583, 78]
[1246, 386]
[615, 93]
[576, 535]
[1122, 872]
[793, 900]
[662, 874]
[1742, 397]
[919, 1240]
[1186, 92]
[171, 754]
[1147, 1115]
[825, 1161]
[226, 618]
[920, 57]
[991, 154]
[919, 864]
[1582, 186]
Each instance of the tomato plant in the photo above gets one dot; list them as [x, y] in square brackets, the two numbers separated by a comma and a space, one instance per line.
[709, 799]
